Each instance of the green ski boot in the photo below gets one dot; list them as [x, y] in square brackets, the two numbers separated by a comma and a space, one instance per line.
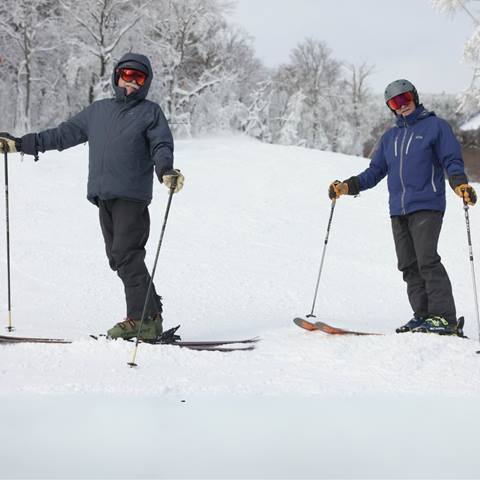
[158, 321]
[128, 329]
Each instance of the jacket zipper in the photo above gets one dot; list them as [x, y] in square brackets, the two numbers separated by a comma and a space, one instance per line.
[433, 183]
[408, 144]
[401, 168]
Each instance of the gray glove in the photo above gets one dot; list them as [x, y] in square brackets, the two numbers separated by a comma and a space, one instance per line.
[173, 178]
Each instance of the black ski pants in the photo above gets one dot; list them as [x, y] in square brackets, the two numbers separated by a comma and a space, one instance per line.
[428, 286]
[126, 227]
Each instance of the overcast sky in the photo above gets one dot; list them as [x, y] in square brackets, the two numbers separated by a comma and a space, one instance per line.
[402, 38]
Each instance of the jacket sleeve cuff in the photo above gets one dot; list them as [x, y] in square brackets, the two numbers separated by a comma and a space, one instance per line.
[456, 180]
[29, 144]
[161, 172]
[353, 185]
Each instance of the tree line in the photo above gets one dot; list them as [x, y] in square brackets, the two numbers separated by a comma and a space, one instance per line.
[57, 57]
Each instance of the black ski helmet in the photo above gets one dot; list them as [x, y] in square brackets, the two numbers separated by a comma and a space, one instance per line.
[401, 86]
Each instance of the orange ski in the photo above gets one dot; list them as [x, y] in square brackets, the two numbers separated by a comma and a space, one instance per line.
[324, 327]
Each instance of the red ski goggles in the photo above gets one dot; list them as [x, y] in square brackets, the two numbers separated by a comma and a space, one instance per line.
[131, 75]
[399, 101]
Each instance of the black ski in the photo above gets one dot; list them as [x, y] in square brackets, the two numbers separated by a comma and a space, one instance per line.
[9, 339]
[213, 348]
[221, 346]
[169, 337]
[209, 343]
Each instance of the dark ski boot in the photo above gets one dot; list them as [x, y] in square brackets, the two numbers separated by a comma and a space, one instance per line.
[410, 325]
[441, 326]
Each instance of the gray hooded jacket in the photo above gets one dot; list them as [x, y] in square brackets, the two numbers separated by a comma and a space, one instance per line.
[127, 136]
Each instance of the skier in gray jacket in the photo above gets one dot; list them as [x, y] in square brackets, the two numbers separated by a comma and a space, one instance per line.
[128, 138]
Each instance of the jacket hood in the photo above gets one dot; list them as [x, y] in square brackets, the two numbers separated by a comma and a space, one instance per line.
[418, 114]
[139, 62]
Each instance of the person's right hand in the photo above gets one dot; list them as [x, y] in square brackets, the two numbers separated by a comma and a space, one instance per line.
[336, 189]
[173, 179]
[9, 143]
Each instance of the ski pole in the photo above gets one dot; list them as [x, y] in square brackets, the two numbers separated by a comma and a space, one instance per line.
[472, 266]
[150, 285]
[323, 257]
[5, 156]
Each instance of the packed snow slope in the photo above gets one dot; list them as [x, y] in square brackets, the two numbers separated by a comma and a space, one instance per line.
[240, 258]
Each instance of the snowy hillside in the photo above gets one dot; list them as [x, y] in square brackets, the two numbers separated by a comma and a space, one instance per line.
[240, 258]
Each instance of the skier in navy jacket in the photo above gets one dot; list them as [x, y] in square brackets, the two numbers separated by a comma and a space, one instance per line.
[128, 139]
[414, 154]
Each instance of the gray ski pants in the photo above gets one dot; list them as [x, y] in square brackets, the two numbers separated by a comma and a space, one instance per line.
[428, 286]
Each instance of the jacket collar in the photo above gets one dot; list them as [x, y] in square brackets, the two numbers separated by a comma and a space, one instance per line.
[418, 114]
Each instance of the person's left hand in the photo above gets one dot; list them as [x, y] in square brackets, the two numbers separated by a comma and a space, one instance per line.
[173, 178]
[467, 192]
[9, 143]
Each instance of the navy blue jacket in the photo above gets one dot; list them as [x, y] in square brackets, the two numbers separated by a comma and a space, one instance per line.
[127, 137]
[415, 154]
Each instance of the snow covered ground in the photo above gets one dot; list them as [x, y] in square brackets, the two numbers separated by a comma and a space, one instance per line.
[240, 258]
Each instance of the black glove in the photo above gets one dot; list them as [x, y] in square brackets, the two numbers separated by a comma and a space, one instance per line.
[29, 145]
[10, 144]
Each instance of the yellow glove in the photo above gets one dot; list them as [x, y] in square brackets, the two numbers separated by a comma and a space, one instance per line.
[467, 192]
[173, 177]
[336, 189]
[9, 143]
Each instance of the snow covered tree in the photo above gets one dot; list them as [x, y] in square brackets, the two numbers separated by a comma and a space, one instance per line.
[181, 34]
[204, 65]
[290, 132]
[97, 29]
[256, 122]
[358, 111]
[317, 75]
[27, 64]
[319, 102]
[57, 57]
[206, 73]
[470, 97]
[231, 101]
